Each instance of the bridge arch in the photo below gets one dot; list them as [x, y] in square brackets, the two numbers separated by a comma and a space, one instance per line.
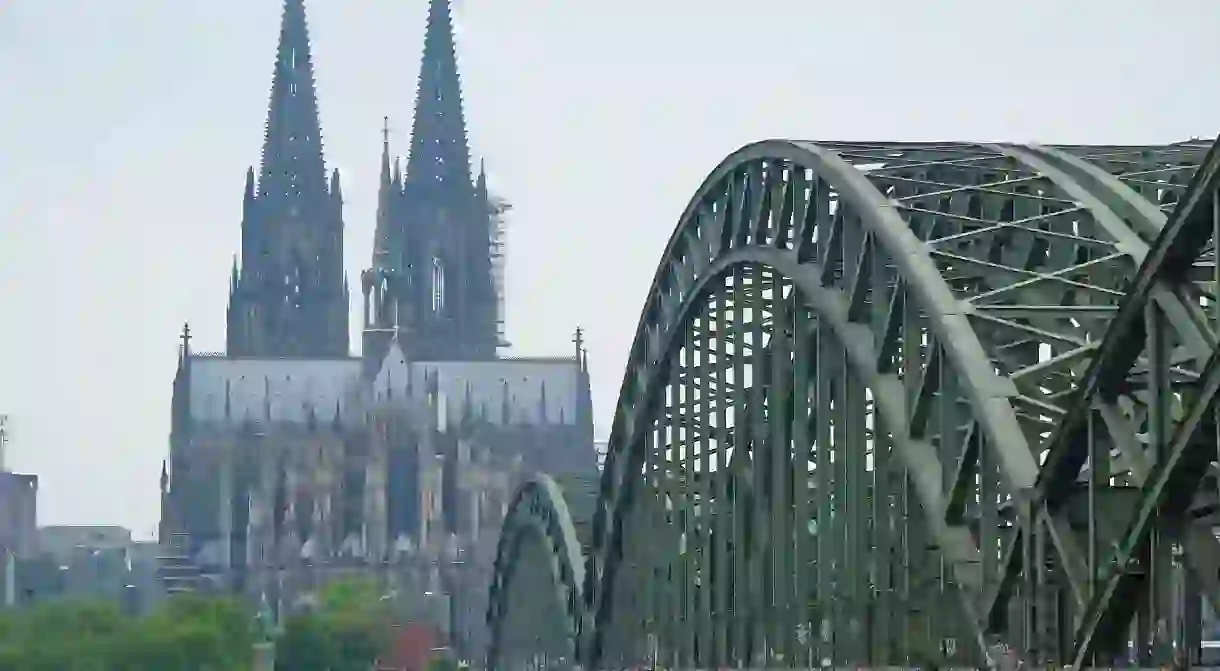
[538, 519]
[851, 362]
[831, 230]
[1162, 356]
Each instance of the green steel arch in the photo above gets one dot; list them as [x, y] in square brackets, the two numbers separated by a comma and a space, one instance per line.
[851, 364]
[538, 519]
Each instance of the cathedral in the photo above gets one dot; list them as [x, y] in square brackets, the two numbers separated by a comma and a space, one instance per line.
[293, 460]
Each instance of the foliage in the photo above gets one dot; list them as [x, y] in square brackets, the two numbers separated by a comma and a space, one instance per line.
[188, 633]
[346, 631]
[443, 663]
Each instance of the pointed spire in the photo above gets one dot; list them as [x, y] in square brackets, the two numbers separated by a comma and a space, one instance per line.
[267, 399]
[185, 352]
[383, 233]
[506, 409]
[249, 193]
[336, 422]
[291, 210]
[542, 419]
[579, 340]
[164, 477]
[385, 151]
[480, 183]
[336, 188]
[439, 150]
[292, 162]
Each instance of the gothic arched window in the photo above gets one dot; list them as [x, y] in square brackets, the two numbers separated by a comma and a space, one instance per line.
[438, 284]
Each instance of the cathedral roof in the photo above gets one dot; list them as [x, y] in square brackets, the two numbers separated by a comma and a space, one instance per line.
[233, 389]
[521, 386]
[519, 390]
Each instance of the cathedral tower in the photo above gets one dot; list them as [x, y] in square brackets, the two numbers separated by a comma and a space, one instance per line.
[288, 298]
[432, 279]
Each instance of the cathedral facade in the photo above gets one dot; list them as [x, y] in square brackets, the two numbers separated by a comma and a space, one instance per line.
[293, 460]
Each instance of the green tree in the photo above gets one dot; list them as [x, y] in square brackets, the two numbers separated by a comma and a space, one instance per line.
[304, 645]
[347, 630]
[189, 633]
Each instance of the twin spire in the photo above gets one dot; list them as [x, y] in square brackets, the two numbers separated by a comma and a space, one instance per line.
[292, 160]
[439, 150]
[439, 154]
[292, 143]
[289, 296]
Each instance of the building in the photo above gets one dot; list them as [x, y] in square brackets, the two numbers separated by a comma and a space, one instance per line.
[18, 529]
[293, 460]
[95, 563]
[18, 514]
[60, 542]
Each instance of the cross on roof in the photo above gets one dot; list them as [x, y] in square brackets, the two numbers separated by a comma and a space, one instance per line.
[186, 336]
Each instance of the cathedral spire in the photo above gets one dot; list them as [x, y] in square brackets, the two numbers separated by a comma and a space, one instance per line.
[385, 152]
[439, 152]
[292, 162]
[290, 298]
[383, 234]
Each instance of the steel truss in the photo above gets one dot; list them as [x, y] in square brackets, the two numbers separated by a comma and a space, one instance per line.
[906, 404]
[540, 569]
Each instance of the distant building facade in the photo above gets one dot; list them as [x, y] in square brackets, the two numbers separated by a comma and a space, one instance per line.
[63, 541]
[18, 514]
[94, 563]
[293, 461]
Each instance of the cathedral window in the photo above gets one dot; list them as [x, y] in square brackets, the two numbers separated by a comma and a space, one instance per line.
[438, 285]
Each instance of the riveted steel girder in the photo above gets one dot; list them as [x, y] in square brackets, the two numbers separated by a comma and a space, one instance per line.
[851, 366]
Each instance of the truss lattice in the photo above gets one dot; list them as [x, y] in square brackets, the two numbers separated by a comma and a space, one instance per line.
[904, 404]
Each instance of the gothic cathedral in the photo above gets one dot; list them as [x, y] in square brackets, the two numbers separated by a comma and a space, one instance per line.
[293, 460]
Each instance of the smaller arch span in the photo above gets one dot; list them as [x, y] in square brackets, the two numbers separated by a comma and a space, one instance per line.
[538, 518]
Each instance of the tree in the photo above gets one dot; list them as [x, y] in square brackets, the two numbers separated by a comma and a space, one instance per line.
[304, 645]
[189, 633]
[347, 630]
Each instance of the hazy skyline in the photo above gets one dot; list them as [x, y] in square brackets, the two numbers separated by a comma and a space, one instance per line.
[126, 128]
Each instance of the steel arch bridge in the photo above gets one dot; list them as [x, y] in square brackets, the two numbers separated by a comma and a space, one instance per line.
[901, 403]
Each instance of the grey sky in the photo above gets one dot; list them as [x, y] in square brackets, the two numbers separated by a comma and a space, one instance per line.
[126, 127]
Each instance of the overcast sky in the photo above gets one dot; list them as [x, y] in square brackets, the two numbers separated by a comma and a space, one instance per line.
[126, 127]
